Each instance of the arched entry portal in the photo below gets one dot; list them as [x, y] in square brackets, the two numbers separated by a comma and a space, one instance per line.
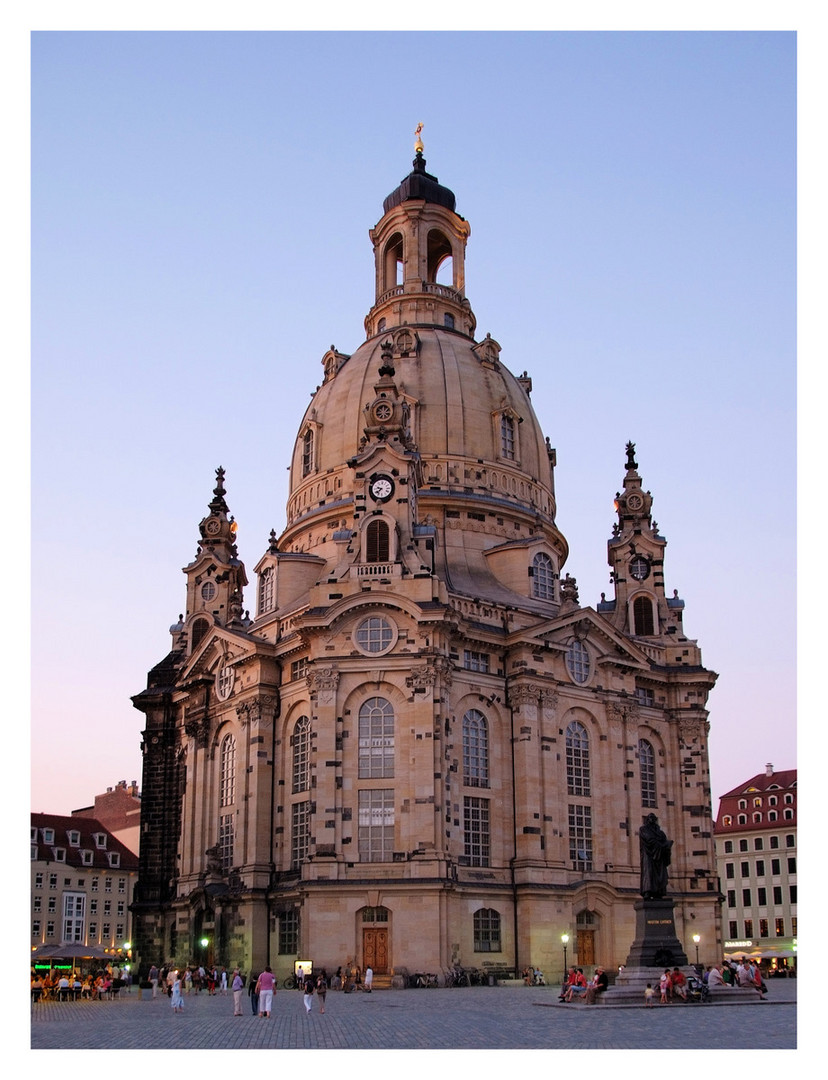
[586, 928]
[376, 943]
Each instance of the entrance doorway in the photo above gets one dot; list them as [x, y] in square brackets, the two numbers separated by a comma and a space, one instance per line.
[375, 950]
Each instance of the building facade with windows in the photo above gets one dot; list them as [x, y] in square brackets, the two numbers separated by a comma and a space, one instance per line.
[422, 750]
[82, 883]
[756, 855]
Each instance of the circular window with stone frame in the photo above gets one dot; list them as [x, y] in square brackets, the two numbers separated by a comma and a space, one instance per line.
[375, 635]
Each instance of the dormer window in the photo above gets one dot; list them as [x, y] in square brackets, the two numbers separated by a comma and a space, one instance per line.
[74, 838]
[87, 857]
[114, 859]
[60, 854]
[48, 836]
[100, 839]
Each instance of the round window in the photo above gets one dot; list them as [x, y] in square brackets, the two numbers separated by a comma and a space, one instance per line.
[208, 590]
[375, 634]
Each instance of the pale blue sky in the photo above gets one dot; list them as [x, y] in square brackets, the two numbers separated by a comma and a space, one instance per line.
[200, 211]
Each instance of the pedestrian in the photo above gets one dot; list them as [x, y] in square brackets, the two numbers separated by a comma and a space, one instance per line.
[153, 979]
[336, 981]
[308, 993]
[176, 1000]
[369, 979]
[253, 992]
[321, 991]
[224, 981]
[238, 986]
[266, 988]
[300, 978]
[649, 994]
[665, 985]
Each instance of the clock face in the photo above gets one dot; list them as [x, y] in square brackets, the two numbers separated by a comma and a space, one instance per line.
[382, 488]
[639, 568]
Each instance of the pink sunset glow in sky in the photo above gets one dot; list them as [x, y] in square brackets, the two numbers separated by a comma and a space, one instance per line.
[200, 209]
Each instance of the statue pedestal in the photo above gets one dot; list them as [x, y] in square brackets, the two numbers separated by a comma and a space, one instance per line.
[655, 948]
[655, 944]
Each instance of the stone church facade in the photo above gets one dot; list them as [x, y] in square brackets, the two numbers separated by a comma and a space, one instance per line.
[422, 750]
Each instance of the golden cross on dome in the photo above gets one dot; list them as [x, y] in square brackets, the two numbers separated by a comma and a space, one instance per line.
[418, 145]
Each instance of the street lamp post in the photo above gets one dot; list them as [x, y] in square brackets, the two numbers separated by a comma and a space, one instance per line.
[696, 940]
[564, 942]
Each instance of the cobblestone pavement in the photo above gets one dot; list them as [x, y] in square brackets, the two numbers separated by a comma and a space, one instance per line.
[502, 1018]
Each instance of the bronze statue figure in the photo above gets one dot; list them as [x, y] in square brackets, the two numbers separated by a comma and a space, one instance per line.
[655, 858]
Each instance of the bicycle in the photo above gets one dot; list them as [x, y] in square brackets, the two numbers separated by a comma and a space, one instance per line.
[290, 982]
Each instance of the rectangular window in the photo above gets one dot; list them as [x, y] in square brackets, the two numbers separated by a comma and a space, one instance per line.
[734, 928]
[745, 869]
[728, 848]
[74, 916]
[743, 845]
[757, 843]
[580, 837]
[486, 930]
[37, 903]
[762, 896]
[777, 894]
[774, 841]
[748, 928]
[790, 840]
[730, 870]
[760, 867]
[36, 928]
[779, 925]
[507, 438]
[476, 830]
[225, 840]
[644, 696]
[289, 933]
[791, 866]
[52, 881]
[763, 928]
[731, 899]
[792, 891]
[50, 928]
[376, 825]
[299, 669]
[745, 897]
[299, 833]
[775, 867]
[475, 661]
[376, 742]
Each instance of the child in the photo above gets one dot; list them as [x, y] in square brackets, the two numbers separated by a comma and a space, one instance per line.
[649, 994]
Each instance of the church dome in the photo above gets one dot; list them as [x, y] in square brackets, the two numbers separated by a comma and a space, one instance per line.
[452, 429]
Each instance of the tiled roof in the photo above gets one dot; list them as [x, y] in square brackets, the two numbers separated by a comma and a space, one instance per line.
[87, 829]
[762, 782]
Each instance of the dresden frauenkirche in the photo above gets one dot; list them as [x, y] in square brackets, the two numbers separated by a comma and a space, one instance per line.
[422, 752]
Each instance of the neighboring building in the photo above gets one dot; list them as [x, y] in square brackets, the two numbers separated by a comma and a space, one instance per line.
[119, 811]
[423, 750]
[756, 856]
[83, 880]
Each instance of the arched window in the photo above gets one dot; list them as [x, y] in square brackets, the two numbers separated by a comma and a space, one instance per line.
[486, 930]
[646, 765]
[199, 631]
[577, 759]
[227, 796]
[643, 616]
[377, 541]
[376, 738]
[307, 452]
[475, 749]
[507, 437]
[227, 769]
[543, 577]
[266, 582]
[301, 754]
